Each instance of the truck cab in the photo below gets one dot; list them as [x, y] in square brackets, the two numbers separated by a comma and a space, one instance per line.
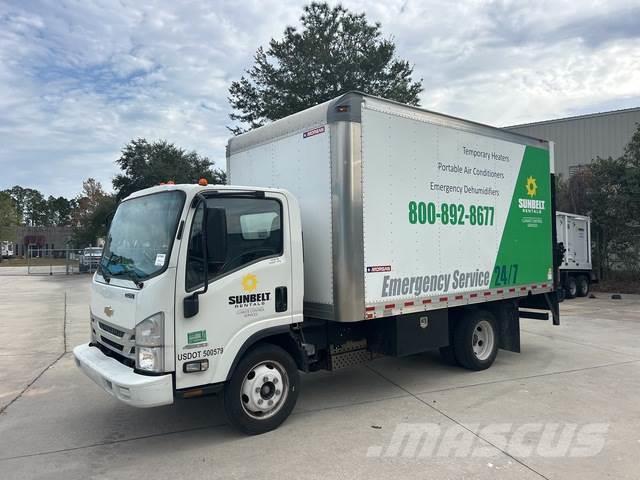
[191, 277]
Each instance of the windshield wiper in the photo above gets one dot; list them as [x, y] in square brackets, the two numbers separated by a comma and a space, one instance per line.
[130, 275]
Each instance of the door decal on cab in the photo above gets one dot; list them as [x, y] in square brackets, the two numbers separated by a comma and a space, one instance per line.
[250, 302]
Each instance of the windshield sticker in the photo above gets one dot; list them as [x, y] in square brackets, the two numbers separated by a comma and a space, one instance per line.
[197, 337]
[160, 259]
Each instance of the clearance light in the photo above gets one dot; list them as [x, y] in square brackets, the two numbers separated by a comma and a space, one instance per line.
[203, 182]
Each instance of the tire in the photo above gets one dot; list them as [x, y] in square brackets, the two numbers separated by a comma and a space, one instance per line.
[583, 286]
[571, 287]
[475, 340]
[255, 382]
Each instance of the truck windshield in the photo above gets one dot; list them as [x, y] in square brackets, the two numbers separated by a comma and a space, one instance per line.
[141, 235]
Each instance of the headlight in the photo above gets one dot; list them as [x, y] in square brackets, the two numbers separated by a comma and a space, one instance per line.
[150, 332]
[150, 344]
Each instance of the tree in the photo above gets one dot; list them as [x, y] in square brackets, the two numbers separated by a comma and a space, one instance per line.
[336, 51]
[8, 217]
[31, 206]
[146, 164]
[59, 211]
[93, 207]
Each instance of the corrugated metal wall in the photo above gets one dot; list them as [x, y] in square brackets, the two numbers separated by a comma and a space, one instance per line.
[581, 139]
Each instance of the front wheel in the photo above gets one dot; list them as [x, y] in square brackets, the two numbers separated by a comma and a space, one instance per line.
[475, 340]
[263, 390]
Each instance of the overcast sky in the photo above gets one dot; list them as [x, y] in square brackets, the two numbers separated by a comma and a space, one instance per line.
[79, 79]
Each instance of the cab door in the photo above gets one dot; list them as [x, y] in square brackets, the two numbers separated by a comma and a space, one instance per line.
[248, 249]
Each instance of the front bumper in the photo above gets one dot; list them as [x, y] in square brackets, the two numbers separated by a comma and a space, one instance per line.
[121, 381]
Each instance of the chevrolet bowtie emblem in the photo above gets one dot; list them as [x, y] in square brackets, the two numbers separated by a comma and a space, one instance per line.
[108, 311]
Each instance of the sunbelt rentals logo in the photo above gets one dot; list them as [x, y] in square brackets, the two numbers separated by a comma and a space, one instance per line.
[530, 204]
[250, 298]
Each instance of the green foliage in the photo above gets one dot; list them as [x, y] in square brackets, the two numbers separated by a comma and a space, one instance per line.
[32, 209]
[335, 51]
[93, 208]
[147, 164]
[8, 217]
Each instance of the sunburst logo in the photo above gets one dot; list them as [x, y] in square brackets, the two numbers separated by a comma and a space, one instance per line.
[532, 187]
[249, 282]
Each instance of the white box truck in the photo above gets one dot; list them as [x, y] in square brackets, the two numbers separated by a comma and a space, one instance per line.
[357, 228]
[576, 269]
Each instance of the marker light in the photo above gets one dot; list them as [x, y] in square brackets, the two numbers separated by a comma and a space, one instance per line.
[203, 182]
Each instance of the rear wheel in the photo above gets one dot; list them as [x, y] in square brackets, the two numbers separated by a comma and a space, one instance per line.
[263, 390]
[571, 287]
[582, 286]
[476, 340]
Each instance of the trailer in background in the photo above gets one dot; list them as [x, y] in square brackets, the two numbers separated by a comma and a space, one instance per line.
[573, 233]
[6, 249]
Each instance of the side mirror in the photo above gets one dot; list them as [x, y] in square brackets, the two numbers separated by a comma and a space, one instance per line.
[191, 305]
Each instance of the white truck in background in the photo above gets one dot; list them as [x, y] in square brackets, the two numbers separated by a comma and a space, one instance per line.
[576, 270]
[6, 249]
[421, 231]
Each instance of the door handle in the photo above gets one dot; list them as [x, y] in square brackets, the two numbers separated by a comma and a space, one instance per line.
[281, 299]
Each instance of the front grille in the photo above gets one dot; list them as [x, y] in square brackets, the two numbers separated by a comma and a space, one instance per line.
[111, 330]
[119, 357]
[115, 345]
[115, 339]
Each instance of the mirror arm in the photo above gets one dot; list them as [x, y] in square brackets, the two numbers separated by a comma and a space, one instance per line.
[199, 197]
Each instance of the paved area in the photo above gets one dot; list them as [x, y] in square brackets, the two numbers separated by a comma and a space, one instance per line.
[567, 407]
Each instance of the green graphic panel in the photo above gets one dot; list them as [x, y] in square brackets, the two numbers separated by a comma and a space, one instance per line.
[525, 254]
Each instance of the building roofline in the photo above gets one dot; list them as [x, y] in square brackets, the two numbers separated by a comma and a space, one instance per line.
[575, 117]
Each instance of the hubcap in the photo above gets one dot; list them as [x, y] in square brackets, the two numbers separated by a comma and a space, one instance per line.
[264, 390]
[483, 340]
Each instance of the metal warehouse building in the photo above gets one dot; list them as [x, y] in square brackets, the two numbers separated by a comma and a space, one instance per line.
[579, 140]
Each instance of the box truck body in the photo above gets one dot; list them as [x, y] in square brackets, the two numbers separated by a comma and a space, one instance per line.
[576, 269]
[356, 228]
[405, 210]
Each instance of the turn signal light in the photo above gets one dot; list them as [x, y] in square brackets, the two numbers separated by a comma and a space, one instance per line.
[203, 182]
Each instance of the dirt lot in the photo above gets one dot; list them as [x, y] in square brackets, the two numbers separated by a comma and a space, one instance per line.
[566, 407]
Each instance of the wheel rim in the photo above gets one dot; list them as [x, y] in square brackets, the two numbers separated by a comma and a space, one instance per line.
[264, 390]
[483, 340]
[573, 288]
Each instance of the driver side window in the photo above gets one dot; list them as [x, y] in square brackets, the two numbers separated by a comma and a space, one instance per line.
[250, 229]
